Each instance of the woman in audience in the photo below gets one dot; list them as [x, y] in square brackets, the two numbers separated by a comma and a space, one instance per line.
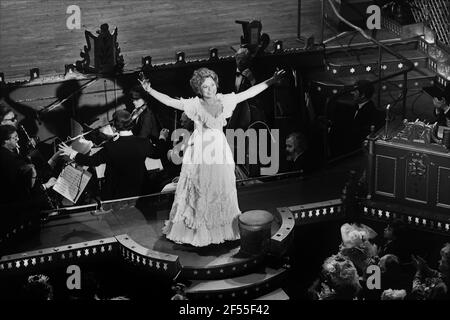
[205, 208]
[392, 275]
[339, 280]
[429, 284]
[357, 247]
[395, 241]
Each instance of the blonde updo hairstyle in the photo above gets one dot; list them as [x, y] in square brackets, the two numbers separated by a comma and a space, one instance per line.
[199, 77]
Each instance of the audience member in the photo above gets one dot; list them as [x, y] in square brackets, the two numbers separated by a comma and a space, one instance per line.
[357, 247]
[392, 275]
[430, 284]
[38, 288]
[395, 241]
[339, 280]
[179, 290]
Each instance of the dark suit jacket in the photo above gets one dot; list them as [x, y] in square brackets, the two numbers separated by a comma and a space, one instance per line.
[442, 117]
[302, 163]
[147, 125]
[14, 183]
[125, 174]
[360, 124]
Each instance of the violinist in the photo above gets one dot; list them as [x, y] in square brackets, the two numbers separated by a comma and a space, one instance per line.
[27, 145]
[20, 181]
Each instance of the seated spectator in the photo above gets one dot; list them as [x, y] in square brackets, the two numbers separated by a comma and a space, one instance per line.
[395, 241]
[392, 275]
[429, 284]
[356, 245]
[179, 290]
[340, 280]
[297, 153]
[38, 288]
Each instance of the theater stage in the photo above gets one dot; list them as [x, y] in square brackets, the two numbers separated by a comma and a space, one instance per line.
[143, 219]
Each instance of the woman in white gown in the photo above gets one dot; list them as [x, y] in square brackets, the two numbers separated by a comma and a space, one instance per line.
[205, 208]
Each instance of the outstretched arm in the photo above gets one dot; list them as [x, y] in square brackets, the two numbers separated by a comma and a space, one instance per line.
[161, 97]
[260, 87]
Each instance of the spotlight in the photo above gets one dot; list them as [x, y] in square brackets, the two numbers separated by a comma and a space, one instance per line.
[278, 46]
[180, 57]
[213, 54]
[146, 61]
[2, 77]
[34, 73]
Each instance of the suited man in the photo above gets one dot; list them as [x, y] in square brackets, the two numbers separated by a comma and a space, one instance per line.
[363, 116]
[297, 153]
[442, 108]
[246, 111]
[125, 174]
[146, 123]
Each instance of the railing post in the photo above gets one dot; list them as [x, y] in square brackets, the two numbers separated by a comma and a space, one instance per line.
[405, 90]
[322, 20]
[379, 77]
[370, 172]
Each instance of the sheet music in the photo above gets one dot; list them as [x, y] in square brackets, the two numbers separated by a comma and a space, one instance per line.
[71, 183]
[153, 164]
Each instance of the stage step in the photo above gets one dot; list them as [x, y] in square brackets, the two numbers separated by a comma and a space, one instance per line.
[278, 294]
[249, 286]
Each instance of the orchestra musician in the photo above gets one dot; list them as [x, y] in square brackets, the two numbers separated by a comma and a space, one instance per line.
[125, 174]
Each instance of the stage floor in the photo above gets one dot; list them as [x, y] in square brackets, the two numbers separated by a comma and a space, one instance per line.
[143, 222]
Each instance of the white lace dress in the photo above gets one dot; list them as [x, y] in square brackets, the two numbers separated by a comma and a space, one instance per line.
[205, 208]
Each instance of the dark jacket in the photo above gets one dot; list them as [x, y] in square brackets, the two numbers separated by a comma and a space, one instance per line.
[125, 174]
[15, 184]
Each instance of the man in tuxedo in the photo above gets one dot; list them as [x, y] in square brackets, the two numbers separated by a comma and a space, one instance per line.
[145, 122]
[364, 115]
[125, 174]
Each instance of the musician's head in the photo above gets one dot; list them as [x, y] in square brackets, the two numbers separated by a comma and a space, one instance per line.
[137, 95]
[243, 58]
[7, 116]
[122, 120]
[9, 137]
[363, 91]
[204, 82]
[296, 144]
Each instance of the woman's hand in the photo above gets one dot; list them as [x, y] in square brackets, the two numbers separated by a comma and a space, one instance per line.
[145, 83]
